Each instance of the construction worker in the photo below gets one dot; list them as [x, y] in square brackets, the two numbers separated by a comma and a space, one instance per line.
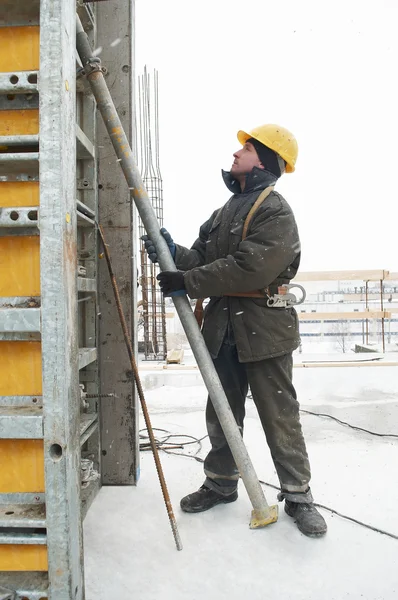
[240, 261]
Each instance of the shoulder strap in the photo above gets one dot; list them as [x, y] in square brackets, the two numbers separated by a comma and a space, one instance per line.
[264, 194]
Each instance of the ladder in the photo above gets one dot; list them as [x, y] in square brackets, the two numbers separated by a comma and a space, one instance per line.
[49, 383]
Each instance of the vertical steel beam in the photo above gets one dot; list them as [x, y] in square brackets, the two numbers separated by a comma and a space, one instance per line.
[119, 417]
[58, 264]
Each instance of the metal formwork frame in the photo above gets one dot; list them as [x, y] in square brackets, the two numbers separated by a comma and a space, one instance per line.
[52, 321]
[50, 407]
[58, 265]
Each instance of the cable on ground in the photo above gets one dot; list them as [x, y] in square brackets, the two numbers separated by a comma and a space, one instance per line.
[165, 445]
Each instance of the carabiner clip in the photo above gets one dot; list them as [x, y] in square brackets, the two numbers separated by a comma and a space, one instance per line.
[283, 299]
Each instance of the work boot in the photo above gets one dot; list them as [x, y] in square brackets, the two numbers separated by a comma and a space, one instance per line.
[308, 519]
[204, 499]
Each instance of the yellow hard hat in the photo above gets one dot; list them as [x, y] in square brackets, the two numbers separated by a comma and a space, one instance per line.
[279, 139]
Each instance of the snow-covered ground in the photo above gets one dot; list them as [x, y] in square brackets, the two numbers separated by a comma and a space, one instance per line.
[129, 548]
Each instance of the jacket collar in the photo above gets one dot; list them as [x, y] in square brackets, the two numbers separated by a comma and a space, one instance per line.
[257, 179]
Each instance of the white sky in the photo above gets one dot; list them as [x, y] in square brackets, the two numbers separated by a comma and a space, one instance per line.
[325, 70]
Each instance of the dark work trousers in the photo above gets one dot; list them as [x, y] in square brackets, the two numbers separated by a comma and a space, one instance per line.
[275, 398]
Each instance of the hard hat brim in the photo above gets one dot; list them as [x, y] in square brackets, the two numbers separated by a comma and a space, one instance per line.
[243, 136]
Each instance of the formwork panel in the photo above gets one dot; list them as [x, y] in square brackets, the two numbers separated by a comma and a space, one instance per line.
[20, 369]
[21, 466]
[19, 266]
[19, 193]
[20, 48]
[21, 460]
[23, 558]
[19, 122]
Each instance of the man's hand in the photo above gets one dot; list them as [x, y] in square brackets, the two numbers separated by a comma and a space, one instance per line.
[172, 283]
[150, 246]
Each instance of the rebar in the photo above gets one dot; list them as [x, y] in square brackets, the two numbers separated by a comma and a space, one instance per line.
[155, 342]
[141, 395]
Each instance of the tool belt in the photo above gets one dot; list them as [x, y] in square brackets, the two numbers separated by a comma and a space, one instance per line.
[265, 293]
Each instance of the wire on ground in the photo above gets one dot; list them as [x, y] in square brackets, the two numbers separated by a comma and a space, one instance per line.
[309, 412]
[165, 445]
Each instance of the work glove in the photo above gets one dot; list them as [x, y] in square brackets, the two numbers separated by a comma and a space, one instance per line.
[150, 246]
[172, 283]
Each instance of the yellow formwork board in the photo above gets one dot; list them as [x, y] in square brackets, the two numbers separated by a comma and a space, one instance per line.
[20, 49]
[19, 122]
[20, 368]
[23, 558]
[19, 266]
[21, 466]
[19, 193]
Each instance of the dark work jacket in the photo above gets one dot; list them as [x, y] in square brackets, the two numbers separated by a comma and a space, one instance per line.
[221, 263]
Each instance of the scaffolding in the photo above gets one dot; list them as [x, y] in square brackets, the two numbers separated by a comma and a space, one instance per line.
[153, 304]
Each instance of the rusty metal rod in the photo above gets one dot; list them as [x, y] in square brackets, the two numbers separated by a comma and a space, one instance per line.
[140, 391]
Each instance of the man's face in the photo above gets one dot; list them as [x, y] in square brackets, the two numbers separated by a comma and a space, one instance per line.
[245, 160]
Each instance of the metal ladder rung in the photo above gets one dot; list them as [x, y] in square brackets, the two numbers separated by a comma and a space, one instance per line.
[19, 177]
[22, 498]
[84, 147]
[21, 538]
[19, 157]
[18, 217]
[16, 163]
[19, 140]
[15, 336]
[86, 420]
[84, 221]
[19, 82]
[87, 356]
[21, 422]
[26, 101]
[20, 301]
[20, 320]
[21, 400]
[23, 515]
[88, 426]
[83, 208]
[27, 584]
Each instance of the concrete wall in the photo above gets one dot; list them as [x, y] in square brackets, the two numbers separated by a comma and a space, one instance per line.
[119, 416]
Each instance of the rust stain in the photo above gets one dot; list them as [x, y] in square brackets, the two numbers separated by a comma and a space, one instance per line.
[95, 75]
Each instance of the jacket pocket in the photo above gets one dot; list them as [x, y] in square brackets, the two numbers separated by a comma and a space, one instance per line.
[283, 324]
